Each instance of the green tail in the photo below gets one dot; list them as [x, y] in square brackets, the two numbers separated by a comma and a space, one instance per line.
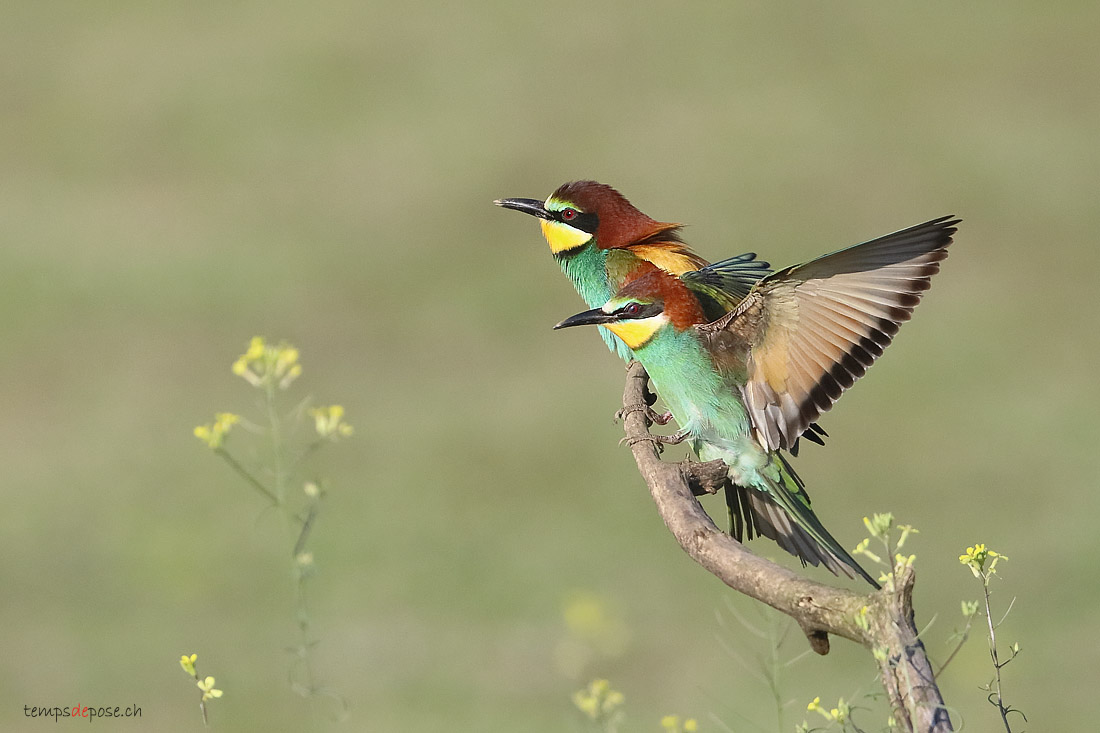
[781, 511]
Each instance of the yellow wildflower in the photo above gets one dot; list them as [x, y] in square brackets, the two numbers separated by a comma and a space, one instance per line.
[599, 701]
[329, 421]
[214, 434]
[586, 703]
[207, 687]
[879, 524]
[263, 365]
[976, 557]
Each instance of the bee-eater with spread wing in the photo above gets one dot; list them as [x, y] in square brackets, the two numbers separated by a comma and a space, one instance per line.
[601, 240]
[746, 385]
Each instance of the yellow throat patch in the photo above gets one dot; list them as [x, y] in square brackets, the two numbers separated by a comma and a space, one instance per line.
[562, 237]
[635, 334]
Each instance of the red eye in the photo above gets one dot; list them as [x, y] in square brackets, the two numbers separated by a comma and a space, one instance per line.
[569, 214]
[632, 309]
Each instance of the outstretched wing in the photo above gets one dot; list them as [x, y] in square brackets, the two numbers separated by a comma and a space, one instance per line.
[806, 333]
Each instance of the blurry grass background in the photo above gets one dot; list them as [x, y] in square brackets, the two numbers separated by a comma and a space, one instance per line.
[177, 177]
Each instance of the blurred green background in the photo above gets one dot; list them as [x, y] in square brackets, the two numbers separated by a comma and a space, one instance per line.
[177, 177]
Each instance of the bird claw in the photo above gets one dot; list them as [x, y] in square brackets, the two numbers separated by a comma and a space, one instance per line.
[675, 439]
[659, 441]
[647, 438]
[660, 418]
[621, 414]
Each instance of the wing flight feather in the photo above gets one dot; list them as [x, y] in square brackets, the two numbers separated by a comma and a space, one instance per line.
[804, 335]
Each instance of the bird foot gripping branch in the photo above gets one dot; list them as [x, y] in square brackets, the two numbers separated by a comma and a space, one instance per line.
[634, 440]
[652, 417]
[659, 418]
[658, 440]
[675, 438]
[645, 407]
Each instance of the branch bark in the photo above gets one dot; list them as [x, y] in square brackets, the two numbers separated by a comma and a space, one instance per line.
[819, 609]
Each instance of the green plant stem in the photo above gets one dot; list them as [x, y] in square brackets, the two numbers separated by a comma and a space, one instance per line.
[280, 472]
[305, 646]
[252, 480]
[303, 535]
[962, 641]
[202, 703]
[999, 701]
[890, 552]
[276, 442]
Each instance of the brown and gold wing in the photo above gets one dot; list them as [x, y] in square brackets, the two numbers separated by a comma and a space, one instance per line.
[806, 333]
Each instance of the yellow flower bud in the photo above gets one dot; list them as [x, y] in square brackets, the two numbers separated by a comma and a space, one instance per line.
[255, 349]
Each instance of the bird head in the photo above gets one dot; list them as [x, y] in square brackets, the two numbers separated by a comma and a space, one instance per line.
[581, 212]
[635, 321]
[647, 305]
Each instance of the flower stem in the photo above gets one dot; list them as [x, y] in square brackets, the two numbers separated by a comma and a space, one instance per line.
[243, 473]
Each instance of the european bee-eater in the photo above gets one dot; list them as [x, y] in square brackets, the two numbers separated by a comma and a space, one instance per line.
[601, 240]
[746, 385]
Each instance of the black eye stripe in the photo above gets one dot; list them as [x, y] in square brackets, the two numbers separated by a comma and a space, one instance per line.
[638, 311]
[585, 221]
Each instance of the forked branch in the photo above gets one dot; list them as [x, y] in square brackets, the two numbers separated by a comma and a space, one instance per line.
[887, 628]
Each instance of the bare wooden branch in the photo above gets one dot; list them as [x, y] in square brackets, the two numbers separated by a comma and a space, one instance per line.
[819, 609]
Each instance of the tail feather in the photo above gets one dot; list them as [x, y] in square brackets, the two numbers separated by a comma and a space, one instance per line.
[783, 514]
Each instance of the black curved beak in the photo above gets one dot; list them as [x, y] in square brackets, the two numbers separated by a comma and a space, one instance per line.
[527, 206]
[594, 317]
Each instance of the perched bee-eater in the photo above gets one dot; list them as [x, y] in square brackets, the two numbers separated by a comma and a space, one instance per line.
[746, 385]
[601, 240]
